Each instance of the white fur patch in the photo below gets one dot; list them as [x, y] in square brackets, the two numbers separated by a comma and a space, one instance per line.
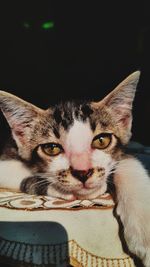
[132, 176]
[78, 145]
[12, 172]
[59, 163]
[79, 137]
[102, 160]
[133, 192]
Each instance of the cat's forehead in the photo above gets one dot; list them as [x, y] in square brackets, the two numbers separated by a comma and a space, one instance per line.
[77, 120]
[65, 114]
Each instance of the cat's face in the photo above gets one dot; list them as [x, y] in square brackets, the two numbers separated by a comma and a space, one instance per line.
[74, 146]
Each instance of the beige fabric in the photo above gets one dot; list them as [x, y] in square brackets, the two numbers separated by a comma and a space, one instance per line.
[45, 230]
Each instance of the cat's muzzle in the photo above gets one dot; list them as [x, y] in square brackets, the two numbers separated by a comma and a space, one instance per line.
[82, 175]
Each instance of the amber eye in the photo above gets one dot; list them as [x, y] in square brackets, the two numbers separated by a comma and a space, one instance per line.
[52, 149]
[102, 141]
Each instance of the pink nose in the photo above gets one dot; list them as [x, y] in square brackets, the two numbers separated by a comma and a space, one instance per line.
[80, 161]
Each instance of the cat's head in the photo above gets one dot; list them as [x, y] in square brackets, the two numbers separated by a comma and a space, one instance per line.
[75, 146]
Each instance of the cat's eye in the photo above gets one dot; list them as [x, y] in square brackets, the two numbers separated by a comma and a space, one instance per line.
[102, 141]
[52, 149]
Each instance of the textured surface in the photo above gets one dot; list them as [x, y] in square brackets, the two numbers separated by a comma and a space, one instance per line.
[42, 230]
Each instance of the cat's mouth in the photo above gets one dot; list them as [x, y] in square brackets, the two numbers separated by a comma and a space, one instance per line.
[90, 192]
[83, 185]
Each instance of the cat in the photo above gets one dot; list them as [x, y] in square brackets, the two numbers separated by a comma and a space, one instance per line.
[71, 150]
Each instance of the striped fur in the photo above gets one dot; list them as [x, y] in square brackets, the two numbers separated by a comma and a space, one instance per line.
[80, 170]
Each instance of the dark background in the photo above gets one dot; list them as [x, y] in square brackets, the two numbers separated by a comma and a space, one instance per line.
[91, 48]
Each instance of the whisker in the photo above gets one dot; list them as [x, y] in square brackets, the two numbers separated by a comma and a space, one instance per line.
[52, 179]
[39, 183]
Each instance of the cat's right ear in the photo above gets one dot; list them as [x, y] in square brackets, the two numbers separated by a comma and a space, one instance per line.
[19, 114]
[120, 101]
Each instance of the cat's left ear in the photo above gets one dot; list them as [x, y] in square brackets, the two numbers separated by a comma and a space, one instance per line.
[20, 115]
[120, 101]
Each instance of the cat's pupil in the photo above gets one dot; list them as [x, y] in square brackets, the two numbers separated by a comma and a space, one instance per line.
[101, 140]
[50, 147]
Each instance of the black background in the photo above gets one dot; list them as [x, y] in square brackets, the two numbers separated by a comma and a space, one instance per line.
[91, 48]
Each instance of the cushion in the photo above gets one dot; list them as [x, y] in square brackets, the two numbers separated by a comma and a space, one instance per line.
[45, 231]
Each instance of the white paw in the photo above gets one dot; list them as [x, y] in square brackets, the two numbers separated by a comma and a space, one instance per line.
[137, 233]
[146, 260]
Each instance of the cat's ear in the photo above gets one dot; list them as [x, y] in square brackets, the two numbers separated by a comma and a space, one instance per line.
[19, 114]
[120, 100]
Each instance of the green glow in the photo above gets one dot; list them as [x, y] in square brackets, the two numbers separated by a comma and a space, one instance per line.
[26, 25]
[48, 25]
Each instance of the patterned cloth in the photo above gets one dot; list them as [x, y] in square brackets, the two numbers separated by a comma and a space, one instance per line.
[44, 231]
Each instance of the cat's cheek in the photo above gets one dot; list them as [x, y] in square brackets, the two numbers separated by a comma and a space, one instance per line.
[101, 159]
[95, 182]
[98, 179]
[58, 163]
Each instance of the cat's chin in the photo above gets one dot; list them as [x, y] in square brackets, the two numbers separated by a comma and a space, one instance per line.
[86, 193]
[77, 192]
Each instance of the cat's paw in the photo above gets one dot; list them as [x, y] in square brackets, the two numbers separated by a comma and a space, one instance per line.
[137, 234]
[146, 261]
[137, 245]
